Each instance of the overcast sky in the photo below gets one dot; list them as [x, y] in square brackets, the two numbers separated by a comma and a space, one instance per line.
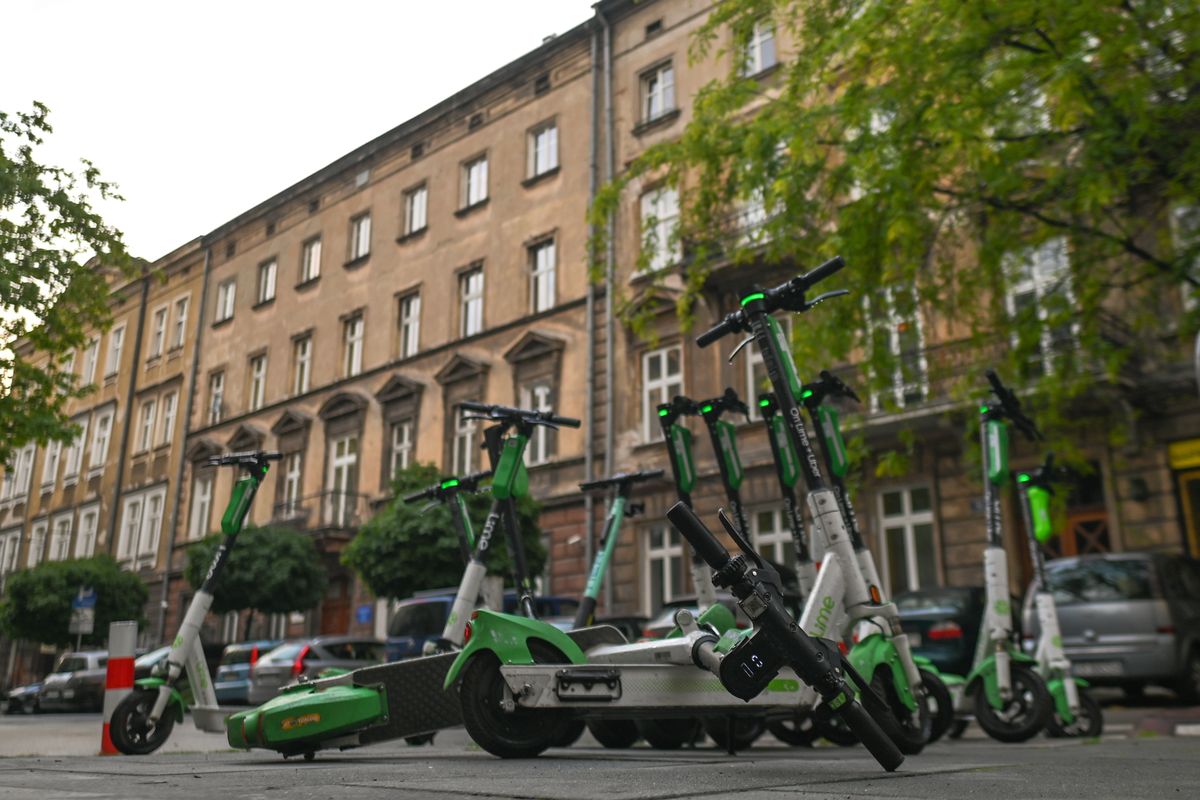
[199, 110]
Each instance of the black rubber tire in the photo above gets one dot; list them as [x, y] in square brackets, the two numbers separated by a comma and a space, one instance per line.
[570, 733]
[669, 734]
[746, 731]
[958, 728]
[615, 734]
[1088, 724]
[1025, 715]
[1187, 688]
[420, 739]
[128, 727]
[910, 730]
[1134, 693]
[941, 705]
[522, 733]
[832, 729]
[800, 730]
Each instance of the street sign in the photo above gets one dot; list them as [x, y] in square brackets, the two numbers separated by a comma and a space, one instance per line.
[364, 613]
[83, 612]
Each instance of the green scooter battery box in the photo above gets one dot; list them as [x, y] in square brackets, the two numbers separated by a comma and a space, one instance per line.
[306, 715]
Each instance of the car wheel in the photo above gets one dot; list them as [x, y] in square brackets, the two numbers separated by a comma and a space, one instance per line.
[1188, 685]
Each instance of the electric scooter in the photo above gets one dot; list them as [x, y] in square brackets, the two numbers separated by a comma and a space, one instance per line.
[143, 721]
[1076, 712]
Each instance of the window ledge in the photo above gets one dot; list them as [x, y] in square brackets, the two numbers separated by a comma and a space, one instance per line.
[174, 353]
[661, 121]
[153, 360]
[164, 447]
[222, 322]
[465, 210]
[541, 176]
[110, 379]
[95, 472]
[70, 480]
[763, 73]
[308, 284]
[263, 304]
[412, 235]
[355, 263]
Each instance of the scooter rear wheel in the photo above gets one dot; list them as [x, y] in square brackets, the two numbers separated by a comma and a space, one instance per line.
[800, 730]
[669, 734]
[615, 734]
[909, 729]
[130, 727]
[941, 705]
[1088, 723]
[1024, 715]
[570, 733]
[745, 731]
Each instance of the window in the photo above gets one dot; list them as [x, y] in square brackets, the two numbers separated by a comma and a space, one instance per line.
[756, 372]
[660, 220]
[37, 543]
[100, 437]
[266, 281]
[540, 449]
[60, 539]
[543, 149]
[470, 290]
[343, 480]
[216, 397]
[463, 456]
[140, 528]
[1185, 231]
[409, 320]
[474, 182]
[179, 335]
[258, 382]
[146, 427]
[166, 425]
[158, 332]
[542, 259]
[131, 529]
[416, 202]
[658, 92]
[772, 536]
[360, 237]
[352, 346]
[895, 321]
[85, 543]
[149, 543]
[202, 488]
[301, 364]
[91, 355]
[664, 568]
[73, 460]
[292, 464]
[908, 544]
[226, 292]
[760, 49]
[24, 469]
[310, 260]
[50, 464]
[662, 379]
[10, 543]
[116, 340]
[1040, 291]
[401, 446]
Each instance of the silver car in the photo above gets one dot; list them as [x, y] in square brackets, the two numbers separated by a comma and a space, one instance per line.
[1127, 619]
[308, 658]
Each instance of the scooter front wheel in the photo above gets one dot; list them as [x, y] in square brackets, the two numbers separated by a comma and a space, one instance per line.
[941, 705]
[1025, 713]
[745, 731]
[132, 731]
[1088, 723]
[909, 729]
[521, 733]
[615, 734]
[799, 730]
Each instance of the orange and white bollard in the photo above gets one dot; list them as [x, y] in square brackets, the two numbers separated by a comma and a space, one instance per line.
[118, 682]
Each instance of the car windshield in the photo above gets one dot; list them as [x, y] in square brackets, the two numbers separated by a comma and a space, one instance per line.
[418, 620]
[950, 601]
[285, 652]
[236, 655]
[69, 663]
[152, 658]
[1099, 581]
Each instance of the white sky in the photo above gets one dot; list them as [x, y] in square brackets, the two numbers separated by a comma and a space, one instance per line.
[199, 110]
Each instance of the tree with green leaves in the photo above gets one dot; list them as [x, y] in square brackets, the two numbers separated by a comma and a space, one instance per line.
[409, 547]
[1023, 175]
[58, 259]
[37, 602]
[271, 571]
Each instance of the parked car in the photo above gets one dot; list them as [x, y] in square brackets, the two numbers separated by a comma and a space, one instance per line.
[76, 683]
[307, 658]
[630, 625]
[151, 663]
[23, 699]
[422, 618]
[942, 624]
[232, 681]
[1128, 619]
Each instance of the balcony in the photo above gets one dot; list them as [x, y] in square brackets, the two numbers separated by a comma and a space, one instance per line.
[335, 514]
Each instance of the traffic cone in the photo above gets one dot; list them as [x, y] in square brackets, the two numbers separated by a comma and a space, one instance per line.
[118, 682]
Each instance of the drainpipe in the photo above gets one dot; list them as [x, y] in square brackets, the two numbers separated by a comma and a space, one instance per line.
[137, 362]
[609, 335]
[187, 429]
[589, 446]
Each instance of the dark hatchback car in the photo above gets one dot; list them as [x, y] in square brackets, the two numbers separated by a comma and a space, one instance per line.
[942, 624]
[76, 683]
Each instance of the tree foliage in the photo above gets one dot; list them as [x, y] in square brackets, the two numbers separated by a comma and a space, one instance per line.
[271, 570]
[407, 548]
[937, 145]
[37, 602]
[57, 259]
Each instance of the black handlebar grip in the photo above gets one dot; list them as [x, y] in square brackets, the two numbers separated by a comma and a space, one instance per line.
[566, 422]
[698, 535]
[815, 276]
[714, 333]
[471, 405]
[873, 738]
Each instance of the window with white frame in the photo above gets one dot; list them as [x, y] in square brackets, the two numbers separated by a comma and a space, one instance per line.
[73, 458]
[226, 294]
[1185, 231]
[68, 363]
[301, 364]
[895, 322]
[202, 489]
[145, 431]
[50, 460]
[664, 574]
[660, 223]
[131, 528]
[772, 536]
[293, 463]
[658, 92]
[23, 469]
[343, 480]
[37, 543]
[543, 149]
[539, 397]
[400, 454]
[662, 380]
[352, 346]
[229, 626]
[470, 293]
[464, 447]
[416, 209]
[759, 53]
[258, 382]
[85, 541]
[91, 355]
[166, 420]
[60, 538]
[474, 188]
[10, 544]
[266, 281]
[542, 267]
[360, 237]
[909, 551]
[310, 260]
[757, 381]
[1039, 292]
[158, 332]
[7, 484]
[101, 434]
[141, 524]
[216, 397]
[116, 341]
[409, 323]
[179, 331]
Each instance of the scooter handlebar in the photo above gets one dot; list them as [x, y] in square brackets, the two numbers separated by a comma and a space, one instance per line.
[698, 535]
[621, 477]
[728, 325]
[246, 458]
[878, 743]
[500, 413]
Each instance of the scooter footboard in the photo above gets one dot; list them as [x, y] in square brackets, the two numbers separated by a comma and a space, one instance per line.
[416, 701]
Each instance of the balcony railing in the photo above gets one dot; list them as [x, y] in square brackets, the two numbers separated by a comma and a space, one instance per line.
[324, 510]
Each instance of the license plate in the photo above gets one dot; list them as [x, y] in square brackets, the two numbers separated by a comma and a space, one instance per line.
[914, 640]
[1097, 669]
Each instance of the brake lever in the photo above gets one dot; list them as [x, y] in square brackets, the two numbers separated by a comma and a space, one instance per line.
[429, 506]
[739, 539]
[808, 305]
[738, 349]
